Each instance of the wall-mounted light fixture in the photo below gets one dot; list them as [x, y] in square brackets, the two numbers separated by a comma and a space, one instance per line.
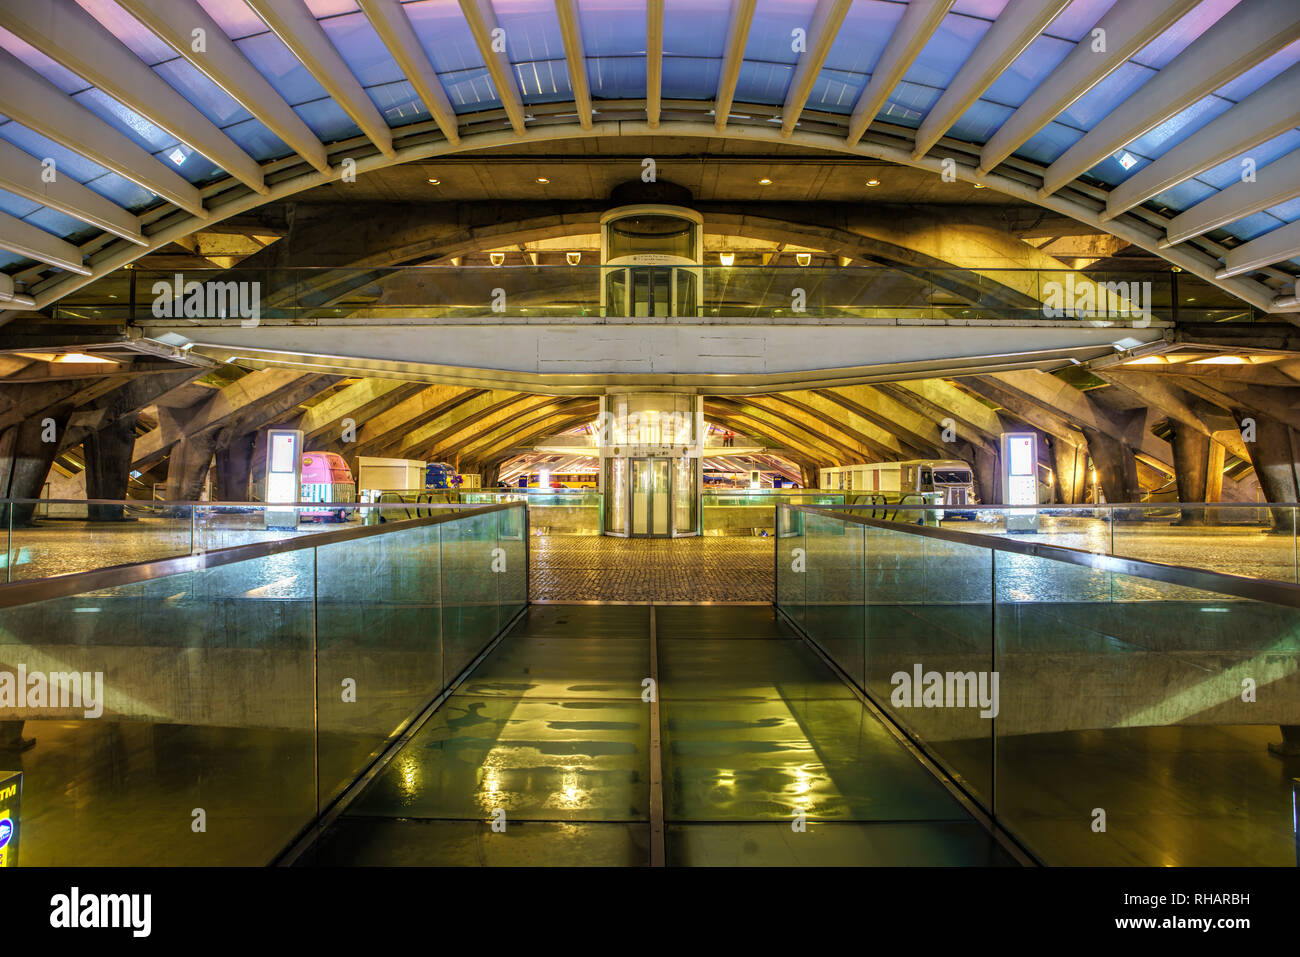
[497, 258]
[803, 259]
[726, 258]
[573, 258]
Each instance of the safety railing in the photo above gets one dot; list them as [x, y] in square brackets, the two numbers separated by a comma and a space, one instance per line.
[1101, 710]
[552, 511]
[45, 537]
[323, 295]
[208, 709]
[1237, 538]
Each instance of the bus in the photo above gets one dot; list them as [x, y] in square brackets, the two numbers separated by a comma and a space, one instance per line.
[326, 478]
[562, 480]
[950, 482]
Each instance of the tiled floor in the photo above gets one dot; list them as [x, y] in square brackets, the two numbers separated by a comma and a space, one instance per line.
[598, 568]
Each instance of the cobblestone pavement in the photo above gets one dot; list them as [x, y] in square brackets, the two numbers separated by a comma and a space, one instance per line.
[597, 568]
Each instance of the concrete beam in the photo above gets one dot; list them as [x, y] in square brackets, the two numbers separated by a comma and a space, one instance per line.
[407, 415]
[835, 422]
[1154, 391]
[250, 392]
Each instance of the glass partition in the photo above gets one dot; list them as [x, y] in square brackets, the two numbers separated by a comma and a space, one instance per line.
[205, 709]
[325, 295]
[1101, 710]
[1253, 540]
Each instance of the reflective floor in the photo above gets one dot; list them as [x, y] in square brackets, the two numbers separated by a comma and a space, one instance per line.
[543, 757]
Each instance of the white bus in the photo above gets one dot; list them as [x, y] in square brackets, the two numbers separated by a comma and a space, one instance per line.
[905, 483]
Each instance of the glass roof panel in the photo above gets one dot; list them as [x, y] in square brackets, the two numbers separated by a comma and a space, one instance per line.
[1077, 20]
[684, 77]
[1251, 227]
[1047, 145]
[908, 104]
[206, 97]
[281, 69]
[15, 205]
[1229, 172]
[470, 90]
[327, 120]
[979, 122]
[1178, 127]
[772, 37]
[139, 38]
[398, 103]
[763, 82]
[1017, 81]
[617, 78]
[1182, 196]
[946, 51]
[988, 9]
[612, 28]
[361, 49]
[696, 28]
[450, 47]
[836, 91]
[1241, 87]
[1108, 93]
[543, 81]
[110, 185]
[1187, 28]
[64, 79]
[235, 17]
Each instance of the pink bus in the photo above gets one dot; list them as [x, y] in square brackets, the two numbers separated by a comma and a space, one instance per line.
[326, 478]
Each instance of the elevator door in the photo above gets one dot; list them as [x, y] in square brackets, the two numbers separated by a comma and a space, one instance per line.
[651, 497]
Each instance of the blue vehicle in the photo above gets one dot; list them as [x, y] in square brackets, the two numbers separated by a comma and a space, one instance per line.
[439, 475]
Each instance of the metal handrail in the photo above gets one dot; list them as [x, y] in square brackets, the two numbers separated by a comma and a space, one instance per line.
[1255, 589]
[14, 594]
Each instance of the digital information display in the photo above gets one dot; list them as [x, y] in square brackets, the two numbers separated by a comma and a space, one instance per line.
[282, 452]
[1020, 479]
[283, 475]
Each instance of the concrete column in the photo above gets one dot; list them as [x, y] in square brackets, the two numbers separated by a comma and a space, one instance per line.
[234, 463]
[988, 485]
[1116, 467]
[1198, 470]
[25, 460]
[1070, 464]
[187, 467]
[108, 466]
[1273, 453]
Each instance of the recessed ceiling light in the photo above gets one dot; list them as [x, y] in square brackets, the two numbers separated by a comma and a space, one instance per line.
[434, 182]
[873, 182]
[764, 182]
[543, 180]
